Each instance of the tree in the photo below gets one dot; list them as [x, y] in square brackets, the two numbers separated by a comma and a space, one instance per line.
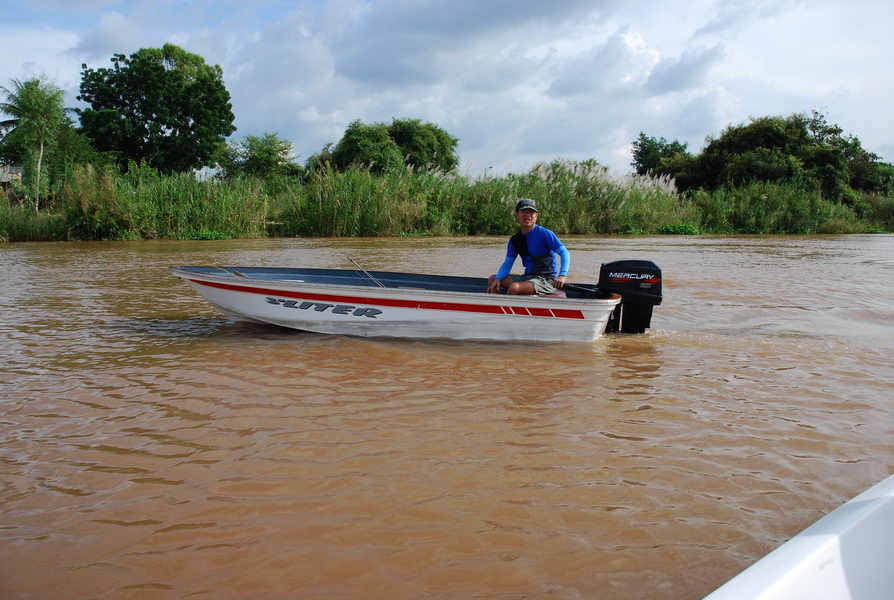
[648, 152]
[367, 146]
[380, 147]
[163, 105]
[424, 146]
[800, 147]
[863, 169]
[685, 170]
[259, 156]
[70, 147]
[37, 116]
[319, 161]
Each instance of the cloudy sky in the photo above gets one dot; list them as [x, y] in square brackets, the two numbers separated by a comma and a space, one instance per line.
[517, 81]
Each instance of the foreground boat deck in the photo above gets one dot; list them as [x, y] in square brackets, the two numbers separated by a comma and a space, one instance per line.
[373, 279]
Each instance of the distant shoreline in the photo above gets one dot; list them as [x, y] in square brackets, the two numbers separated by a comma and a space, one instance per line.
[575, 198]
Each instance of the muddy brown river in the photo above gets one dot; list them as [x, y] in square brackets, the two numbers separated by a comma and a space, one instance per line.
[151, 448]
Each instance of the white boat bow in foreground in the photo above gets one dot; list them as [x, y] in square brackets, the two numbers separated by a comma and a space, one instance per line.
[846, 555]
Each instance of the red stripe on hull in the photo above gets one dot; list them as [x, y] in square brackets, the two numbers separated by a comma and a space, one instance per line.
[564, 313]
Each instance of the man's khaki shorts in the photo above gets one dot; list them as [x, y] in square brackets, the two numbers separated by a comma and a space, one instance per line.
[543, 284]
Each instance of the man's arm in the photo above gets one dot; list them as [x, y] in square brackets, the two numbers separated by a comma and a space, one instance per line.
[560, 249]
[493, 282]
[506, 267]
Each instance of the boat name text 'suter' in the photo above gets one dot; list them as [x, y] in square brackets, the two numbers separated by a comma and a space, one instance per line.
[338, 309]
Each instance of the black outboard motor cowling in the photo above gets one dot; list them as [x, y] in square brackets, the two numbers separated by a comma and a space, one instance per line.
[639, 284]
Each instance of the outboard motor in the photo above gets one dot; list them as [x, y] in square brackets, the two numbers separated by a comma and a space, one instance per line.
[639, 284]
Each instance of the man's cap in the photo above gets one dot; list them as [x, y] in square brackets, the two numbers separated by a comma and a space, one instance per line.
[526, 204]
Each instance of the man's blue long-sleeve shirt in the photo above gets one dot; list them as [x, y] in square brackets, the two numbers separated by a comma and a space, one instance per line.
[541, 242]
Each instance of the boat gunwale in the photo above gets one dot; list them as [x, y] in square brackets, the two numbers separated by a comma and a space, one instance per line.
[184, 272]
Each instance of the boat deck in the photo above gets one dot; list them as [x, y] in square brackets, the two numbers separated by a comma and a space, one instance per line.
[373, 279]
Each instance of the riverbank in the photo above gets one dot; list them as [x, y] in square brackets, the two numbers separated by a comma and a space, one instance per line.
[575, 198]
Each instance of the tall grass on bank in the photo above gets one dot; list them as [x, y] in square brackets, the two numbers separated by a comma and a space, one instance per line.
[19, 223]
[774, 208]
[139, 204]
[359, 203]
[585, 198]
[575, 198]
[879, 211]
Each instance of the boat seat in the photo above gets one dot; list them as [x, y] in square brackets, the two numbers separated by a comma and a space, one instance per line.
[558, 294]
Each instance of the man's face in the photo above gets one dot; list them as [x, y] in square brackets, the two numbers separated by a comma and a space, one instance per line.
[526, 217]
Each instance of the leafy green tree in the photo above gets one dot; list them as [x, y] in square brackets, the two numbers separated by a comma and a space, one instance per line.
[367, 146]
[37, 116]
[424, 146]
[865, 171]
[801, 148]
[757, 151]
[839, 162]
[761, 164]
[70, 147]
[685, 170]
[648, 152]
[381, 147]
[819, 131]
[319, 161]
[261, 156]
[164, 106]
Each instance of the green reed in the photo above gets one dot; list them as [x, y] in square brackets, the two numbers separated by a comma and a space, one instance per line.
[585, 198]
[360, 203]
[20, 224]
[575, 198]
[142, 204]
[774, 208]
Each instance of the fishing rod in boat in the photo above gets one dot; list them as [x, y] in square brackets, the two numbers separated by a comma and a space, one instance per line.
[367, 273]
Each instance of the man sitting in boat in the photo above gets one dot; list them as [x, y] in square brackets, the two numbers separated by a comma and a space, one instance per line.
[538, 248]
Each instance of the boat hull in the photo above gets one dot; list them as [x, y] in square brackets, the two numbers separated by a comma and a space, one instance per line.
[402, 311]
[846, 555]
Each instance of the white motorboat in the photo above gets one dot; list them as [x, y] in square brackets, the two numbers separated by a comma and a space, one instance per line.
[411, 305]
[846, 555]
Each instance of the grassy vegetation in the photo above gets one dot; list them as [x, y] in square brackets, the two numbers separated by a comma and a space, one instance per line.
[143, 204]
[778, 208]
[574, 198]
[21, 224]
[578, 198]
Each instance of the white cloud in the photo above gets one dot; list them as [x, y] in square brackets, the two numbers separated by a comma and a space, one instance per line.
[41, 50]
[115, 34]
[689, 70]
[613, 68]
[516, 80]
[68, 6]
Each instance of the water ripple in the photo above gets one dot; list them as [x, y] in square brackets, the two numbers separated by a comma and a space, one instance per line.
[148, 445]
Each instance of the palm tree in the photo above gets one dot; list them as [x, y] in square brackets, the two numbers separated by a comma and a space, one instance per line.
[37, 115]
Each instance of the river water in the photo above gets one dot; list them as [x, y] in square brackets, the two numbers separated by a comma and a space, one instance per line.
[151, 448]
